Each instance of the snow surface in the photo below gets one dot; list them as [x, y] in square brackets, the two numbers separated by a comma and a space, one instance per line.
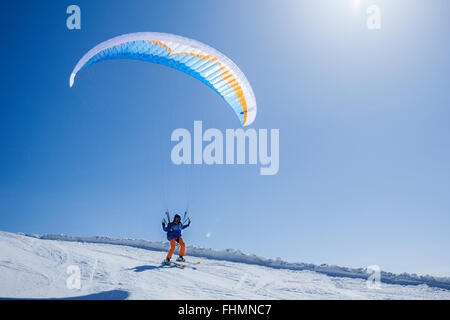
[36, 266]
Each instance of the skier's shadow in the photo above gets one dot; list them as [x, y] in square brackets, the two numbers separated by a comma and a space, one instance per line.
[146, 268]
[104, 295]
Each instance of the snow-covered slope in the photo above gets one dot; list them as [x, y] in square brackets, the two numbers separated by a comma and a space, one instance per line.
[46, 266]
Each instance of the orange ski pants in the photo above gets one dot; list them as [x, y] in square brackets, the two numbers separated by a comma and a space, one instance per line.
[173, 244]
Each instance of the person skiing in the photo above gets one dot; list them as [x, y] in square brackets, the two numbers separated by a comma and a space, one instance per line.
[173, 230]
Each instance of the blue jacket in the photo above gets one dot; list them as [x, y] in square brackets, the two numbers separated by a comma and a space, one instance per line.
[174, 230]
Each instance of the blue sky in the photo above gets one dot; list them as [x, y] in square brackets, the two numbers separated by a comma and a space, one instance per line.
[363, 116]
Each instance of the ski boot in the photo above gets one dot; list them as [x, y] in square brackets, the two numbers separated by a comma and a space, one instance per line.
[181, 259]
[166, 261]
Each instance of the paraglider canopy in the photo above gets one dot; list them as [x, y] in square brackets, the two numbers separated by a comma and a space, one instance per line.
[190, 56]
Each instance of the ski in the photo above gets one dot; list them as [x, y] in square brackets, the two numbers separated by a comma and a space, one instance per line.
[173, 265]
[178, 265]
[189, 264]
[182, 265]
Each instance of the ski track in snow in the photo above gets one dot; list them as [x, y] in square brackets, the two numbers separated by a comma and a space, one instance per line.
[36, 268]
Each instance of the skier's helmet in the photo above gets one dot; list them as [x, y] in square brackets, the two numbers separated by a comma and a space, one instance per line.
[177, 216]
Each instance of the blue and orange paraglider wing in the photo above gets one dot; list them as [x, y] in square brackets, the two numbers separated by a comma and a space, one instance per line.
[187, 55]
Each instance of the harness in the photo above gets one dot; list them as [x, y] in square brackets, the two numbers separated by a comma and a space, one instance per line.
[169, 233]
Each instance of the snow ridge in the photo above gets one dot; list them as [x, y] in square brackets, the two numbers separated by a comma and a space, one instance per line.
[234, 255]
